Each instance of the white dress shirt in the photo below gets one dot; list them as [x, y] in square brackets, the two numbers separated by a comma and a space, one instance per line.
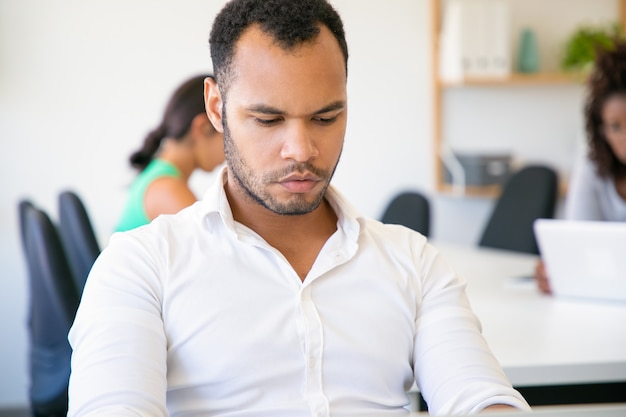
[196, 315]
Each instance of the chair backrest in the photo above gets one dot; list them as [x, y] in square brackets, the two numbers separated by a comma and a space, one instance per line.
[410, 209]
[79, 238]
[53, 301]
[22, 207]
[528, 194]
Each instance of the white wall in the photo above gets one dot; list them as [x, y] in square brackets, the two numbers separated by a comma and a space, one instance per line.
[81, 82]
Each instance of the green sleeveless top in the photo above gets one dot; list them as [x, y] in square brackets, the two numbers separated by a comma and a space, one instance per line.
[134, 214]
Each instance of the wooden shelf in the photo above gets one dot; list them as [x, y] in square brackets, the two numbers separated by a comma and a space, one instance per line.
[514, 80]
[488, 191]
[519, 79]
[484, 191]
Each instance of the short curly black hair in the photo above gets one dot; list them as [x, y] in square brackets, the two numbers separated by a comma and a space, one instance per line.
[289, 22]
[607, 80]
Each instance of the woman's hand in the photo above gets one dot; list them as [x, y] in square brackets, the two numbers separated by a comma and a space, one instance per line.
[543, 282]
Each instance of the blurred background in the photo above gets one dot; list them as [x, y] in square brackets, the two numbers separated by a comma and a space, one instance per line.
[82, 82]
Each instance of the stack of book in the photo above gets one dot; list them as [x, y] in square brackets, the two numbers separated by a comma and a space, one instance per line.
[475, 40]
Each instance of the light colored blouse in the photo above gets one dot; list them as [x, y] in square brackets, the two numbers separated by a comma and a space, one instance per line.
[591, 197]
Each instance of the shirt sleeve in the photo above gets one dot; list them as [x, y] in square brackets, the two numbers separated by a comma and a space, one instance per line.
[455, 369]
[118, 341]
[581, 202]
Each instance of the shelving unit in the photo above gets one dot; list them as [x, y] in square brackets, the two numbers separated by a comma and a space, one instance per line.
[547, 79]
[519, 79]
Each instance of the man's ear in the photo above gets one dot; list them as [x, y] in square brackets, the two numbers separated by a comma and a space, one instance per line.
[213, 103]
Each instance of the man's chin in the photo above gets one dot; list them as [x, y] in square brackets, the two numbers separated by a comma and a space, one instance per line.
[295, 208]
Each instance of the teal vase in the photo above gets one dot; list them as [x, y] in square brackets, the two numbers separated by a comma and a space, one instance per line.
[528, 60]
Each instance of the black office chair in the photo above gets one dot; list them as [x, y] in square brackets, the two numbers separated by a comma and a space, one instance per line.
[410, 209]
[78, 236]
[528, 194]
[53, 301]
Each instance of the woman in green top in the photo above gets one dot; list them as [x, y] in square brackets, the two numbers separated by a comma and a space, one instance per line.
[183, 142]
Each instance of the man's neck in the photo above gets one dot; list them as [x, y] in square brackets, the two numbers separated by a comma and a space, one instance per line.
[267, 223]
[298, 237]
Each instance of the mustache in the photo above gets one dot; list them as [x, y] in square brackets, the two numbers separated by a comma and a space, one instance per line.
[300, 167]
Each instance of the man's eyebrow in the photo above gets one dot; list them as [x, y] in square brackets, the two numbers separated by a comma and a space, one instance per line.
[337, 105]
[265, 109]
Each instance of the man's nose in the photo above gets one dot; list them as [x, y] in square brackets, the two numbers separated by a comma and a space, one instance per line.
[299, 143]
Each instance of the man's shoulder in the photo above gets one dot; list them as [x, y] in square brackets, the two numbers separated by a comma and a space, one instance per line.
[166, 225]
[390, 232]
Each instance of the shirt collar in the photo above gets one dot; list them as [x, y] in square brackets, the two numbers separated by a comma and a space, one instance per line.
[214, 206]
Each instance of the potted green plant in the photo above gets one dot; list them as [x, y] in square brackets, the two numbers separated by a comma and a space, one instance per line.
[580, 48]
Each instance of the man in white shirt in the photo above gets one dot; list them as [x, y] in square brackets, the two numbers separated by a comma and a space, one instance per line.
[272, 296]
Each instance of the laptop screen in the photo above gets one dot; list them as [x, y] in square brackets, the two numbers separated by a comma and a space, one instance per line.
[584, 259]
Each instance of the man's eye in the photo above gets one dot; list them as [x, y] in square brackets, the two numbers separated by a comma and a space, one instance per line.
[325, 120]
[267, 122]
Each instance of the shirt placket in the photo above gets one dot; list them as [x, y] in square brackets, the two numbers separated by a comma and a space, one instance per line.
[313, 349]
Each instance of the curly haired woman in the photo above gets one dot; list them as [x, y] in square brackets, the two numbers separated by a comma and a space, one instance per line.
[597, 189]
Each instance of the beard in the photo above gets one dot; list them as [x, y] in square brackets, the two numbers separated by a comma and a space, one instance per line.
[255, 184]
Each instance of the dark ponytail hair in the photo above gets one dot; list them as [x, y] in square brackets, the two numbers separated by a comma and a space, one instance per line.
[185, 104]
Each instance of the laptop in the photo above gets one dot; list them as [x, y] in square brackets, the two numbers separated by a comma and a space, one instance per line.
[584, 259]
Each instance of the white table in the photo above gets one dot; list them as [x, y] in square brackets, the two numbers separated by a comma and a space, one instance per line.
[596, 410]
[540, 339]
